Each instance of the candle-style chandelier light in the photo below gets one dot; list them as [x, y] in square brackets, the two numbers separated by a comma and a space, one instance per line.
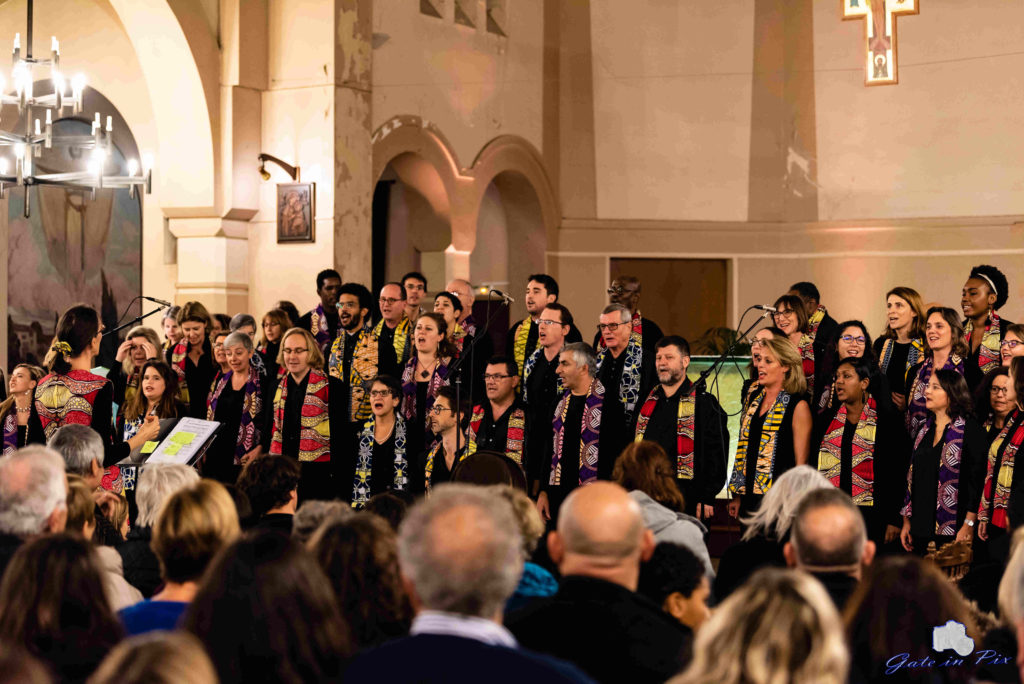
[38, 135]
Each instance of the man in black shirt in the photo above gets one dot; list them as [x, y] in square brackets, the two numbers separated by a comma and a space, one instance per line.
[353, 356]
[699, 428]
[499, 424]
[542, 388]
[323, 321]
[626, 369]
[828, 326]
[521, 341]
[415, 285]
[625, 290]
[392, 331]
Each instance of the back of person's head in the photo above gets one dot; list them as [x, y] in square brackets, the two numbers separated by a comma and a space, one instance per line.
[601, 533]
[242, 505]
[1010, 602]
[828, 533]
[33, 492]
[81, 509]
[531, 526]
[775, 514]
[53, 603]
[265, 612]
[157, 482]
[269, 482]
[157, 658]
[80, 446]
[389, 506]
[241, 320]
[645, 466]
[675, 579]
[76, 329]
[781, 626]
[313, 513]
[360, 556]
[193, 525]
[898, 603]
[461, 551]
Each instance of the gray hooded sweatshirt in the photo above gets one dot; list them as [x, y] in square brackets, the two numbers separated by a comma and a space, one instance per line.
[678, 528]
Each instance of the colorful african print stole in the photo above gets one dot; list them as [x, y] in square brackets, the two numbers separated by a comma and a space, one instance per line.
[515, 436]
[248, 428]
[64, 399]
[531, 363]
[806, 346]
[10, 423]
[629, 384]
[766, 448]
[914, 354]
[314, 421]
[684, 428]
[131, 386]
[400, 339]
[590, 435]
[438, 380]
[435, 452]
[521, 337]
[949, 476]
[830, 457]
[996, 494]
[458, 338]
[362, 370]
[318, 327]
[988, 352]
[917, 413]
[178, 359]
[364, 465]
[469, 325]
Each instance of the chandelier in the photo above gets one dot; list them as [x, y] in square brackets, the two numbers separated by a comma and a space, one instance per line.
[39, 135]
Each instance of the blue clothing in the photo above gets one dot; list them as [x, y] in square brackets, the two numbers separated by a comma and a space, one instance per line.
[149, 616]
[536, 583]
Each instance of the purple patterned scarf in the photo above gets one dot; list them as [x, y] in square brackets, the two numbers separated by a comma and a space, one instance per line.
[252, 403]
[590, 434]
[438, 380]
[917, 414]
[10, 421]
[949, 476]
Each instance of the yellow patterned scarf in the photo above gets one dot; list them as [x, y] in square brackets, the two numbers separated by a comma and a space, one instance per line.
[399, 339]
[519, 349]
[766, 447]
[362, 370]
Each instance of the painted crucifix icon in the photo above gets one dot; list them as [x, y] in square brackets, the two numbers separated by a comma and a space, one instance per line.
[880, 31]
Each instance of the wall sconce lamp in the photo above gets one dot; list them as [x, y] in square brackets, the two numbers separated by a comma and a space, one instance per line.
[292, 171]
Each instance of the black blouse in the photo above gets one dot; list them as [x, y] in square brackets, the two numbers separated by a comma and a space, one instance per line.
[925, 483]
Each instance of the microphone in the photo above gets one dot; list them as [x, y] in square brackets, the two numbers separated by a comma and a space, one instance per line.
[506, 297]
[765, 307]
[158, 301]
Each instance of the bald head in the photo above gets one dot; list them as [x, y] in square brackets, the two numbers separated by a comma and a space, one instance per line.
[464, 291]
[828, 531]
[600, 520]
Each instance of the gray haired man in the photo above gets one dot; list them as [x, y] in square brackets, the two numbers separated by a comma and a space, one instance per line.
[33, 497]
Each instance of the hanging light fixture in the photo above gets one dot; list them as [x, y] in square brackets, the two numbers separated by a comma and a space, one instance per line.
[37, 136]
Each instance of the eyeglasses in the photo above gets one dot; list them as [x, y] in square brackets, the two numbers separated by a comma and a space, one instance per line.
[621, 291]
[783, 313]
[437, 409]
[548, 321]
[850, 339]
[301, 350]
[999, 390]
[1012, 344]
[380, 394]
[497, 376]
[389, 300]
[612, 327]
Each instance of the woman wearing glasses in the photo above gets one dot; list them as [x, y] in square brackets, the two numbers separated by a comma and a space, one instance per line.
[985, 291]
[901, 346]
[1012, 343]
[851, 341]
[791, 317]
[1000, 511]
[383, 458]
[302, 414]
[424, 374]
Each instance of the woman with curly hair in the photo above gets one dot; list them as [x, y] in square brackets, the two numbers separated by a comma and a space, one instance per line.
[985, 291]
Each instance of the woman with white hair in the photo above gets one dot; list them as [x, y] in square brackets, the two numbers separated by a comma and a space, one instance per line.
[238, 403]
[767, 529]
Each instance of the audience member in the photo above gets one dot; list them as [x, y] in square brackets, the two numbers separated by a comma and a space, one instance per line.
[644, 470]
[312, 514]
[389, 506]
[242, 505]
[272, 485]
[53, 604]
[1001, 638]
[536, 582]
[17, 666]
[360, 556]
[265, 612]
[157, 482]
[778, 627]
[675, 579]
[767, 530]
[596, 619]
[33, 497]
[160, 658]
[193, 525]
[82, 449]
[82, 523]
[830, 541]
[461, 556]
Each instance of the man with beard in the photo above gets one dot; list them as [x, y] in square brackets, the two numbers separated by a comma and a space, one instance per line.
[392, 332]
[415, 285]
[499, 424]
[626, 369]
[353, 358]
[625, 290]
[438, 462]
[323, 320]
[690, 427]
[521, 341]
[542, 387]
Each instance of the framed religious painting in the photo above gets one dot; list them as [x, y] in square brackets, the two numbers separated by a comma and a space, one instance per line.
[296, 207]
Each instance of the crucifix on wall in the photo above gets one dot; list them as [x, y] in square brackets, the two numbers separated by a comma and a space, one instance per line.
[880, 31]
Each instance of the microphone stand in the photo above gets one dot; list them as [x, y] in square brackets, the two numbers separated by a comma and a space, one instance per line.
[134, 321]
[701, 384]
[455, 367]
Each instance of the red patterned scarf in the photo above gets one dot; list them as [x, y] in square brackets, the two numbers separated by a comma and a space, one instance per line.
[685, 419]
[830, 456]
[515, 436]
[996, 494]
[65, 399]
[314, 422]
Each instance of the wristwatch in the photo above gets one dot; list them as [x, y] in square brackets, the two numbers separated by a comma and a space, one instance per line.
[970, 523]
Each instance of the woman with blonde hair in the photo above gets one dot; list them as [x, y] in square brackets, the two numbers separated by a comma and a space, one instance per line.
[192, 358]
[140, 345]
[775, 427]
[17, 412]
[781, 626]
[273, 327]
[193, 525]
[161, 658]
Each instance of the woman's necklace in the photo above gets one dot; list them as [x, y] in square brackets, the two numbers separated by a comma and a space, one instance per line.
[27, 409]
[425, 373]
